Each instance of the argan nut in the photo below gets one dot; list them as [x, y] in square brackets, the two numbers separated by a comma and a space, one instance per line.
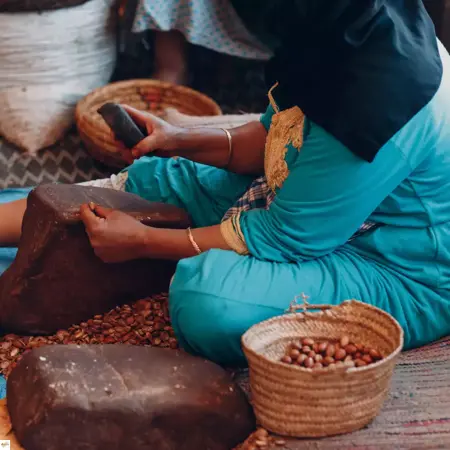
[350, 349]
[294, 353]
[307, 341]
[375, 354]
[359, 347]
[323, 347]
[366, 358]
[309, 362]
[348, 358]
[301, 359]
[261, 443]
[261, 433]
[330, 350]
[315, 347]
[296, 345]
[360, 363]
[344, 341]
[328, 360]
[349, 363]
[317, 365]
[340, 354]
[5, 345]
[286, 359]
[332, 366]
[318, 358]
[357, 355]
[312, 354]
[92, 206]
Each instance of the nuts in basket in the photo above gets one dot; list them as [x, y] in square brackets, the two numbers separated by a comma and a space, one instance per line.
[318, 354]
[336, 401]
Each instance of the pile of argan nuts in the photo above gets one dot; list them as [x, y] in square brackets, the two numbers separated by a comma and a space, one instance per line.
[261, 439]
[146, 322]
[319, 354]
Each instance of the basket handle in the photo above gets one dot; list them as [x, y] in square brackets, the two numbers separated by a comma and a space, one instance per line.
[305, 306]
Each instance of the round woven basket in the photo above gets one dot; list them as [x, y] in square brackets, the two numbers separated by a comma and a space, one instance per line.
[37, 5]
[149, 95]
[294, 401]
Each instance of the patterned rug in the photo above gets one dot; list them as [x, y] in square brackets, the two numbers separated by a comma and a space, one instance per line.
[65, 162]
[416, 414]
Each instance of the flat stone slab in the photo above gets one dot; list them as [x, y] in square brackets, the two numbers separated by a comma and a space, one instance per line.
[119, 397]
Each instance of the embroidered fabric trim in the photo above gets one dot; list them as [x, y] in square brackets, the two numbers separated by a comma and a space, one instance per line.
[232, 234]
[286, 128]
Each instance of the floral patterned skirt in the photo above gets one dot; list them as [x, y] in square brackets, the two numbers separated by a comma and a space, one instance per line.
[213, 24]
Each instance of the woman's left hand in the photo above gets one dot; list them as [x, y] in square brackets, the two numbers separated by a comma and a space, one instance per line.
[114, 235]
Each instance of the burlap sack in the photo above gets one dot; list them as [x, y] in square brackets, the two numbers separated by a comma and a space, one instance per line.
[48, 61]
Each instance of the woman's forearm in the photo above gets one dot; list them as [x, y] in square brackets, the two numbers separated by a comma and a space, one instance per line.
[175, 244]
[210, 146]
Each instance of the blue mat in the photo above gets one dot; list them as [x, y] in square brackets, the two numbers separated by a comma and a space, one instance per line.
[7, 255]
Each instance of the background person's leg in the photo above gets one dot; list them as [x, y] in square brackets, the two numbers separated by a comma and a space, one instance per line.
[12, 208]
[170, 57]
[217, 296]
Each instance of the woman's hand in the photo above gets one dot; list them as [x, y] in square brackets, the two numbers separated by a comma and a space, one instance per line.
[162, 136]
[114, 235]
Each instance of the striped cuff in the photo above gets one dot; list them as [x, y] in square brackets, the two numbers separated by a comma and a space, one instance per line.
[232, 233]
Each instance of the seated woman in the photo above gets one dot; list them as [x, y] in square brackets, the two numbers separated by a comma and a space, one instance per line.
[355, 200]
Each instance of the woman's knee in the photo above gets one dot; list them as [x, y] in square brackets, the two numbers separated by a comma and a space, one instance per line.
[204, 329]
[205, 322]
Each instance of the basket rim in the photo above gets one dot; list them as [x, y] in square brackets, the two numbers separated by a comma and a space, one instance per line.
[293, 316]
[81, 105]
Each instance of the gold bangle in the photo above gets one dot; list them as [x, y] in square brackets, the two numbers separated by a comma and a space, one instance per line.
[192, 241]
[230, 147]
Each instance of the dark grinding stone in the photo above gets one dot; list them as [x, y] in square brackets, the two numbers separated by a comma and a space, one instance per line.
[56, 279]
[122, 125]
[17, 6]
[119, 397]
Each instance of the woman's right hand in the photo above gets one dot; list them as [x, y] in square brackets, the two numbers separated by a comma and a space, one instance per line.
[162, 136]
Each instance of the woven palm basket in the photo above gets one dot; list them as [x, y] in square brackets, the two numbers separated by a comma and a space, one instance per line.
[148, 95]
[294, 401]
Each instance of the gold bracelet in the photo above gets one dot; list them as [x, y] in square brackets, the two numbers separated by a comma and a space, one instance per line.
[192, 241]
[230, 147]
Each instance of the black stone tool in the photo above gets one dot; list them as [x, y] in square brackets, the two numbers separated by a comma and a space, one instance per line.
[122, 125]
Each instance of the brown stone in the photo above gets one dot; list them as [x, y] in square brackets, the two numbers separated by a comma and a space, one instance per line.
[120, 397]
[56, 279]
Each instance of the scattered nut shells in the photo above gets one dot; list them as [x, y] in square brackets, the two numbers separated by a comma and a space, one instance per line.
[261, 439]
[146, 322]
[329, 354]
